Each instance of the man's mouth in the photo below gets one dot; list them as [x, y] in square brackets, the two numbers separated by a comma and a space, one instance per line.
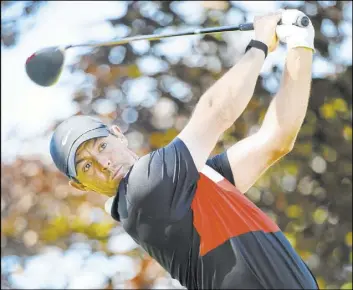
[116, 173]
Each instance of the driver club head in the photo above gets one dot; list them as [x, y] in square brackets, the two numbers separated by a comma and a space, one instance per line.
[44, 66]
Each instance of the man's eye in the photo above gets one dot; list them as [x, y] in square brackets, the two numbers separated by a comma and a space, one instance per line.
[102, 146]
[86, 167]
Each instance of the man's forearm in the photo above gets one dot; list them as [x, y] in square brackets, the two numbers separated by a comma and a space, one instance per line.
[230, 95]
[287, 110]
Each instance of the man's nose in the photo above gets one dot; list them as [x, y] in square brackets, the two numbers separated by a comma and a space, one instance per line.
[104, 163]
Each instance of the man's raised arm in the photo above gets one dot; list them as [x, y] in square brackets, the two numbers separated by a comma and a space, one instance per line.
[287, 111]
[252, 156]
[224, 102]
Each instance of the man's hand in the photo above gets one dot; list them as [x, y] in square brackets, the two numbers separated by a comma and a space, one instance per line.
[295, 36]
[265, 29]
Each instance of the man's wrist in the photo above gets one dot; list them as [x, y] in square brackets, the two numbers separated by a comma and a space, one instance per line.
[304, 48]
[301, 49]
[256, 53]
[257, 45]
[299, 59]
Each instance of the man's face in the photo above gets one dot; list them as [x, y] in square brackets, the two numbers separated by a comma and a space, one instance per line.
[102, 162]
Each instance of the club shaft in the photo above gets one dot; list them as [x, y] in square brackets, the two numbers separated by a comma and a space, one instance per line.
[211, 30]
[301, 21]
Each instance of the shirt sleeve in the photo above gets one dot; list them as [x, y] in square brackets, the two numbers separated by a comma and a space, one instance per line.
[220, 163]
[162, 183]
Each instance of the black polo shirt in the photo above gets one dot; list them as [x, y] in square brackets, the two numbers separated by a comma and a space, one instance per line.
[201, 229]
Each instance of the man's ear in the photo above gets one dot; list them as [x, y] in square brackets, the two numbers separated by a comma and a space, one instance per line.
[77, 185]
[114, 129]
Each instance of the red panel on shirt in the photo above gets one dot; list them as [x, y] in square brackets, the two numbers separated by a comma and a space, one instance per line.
[222, 212]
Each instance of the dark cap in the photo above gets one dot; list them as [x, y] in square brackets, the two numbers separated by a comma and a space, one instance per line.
[69, 135]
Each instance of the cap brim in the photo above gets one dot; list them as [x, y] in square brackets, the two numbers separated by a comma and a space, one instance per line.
[95, 133]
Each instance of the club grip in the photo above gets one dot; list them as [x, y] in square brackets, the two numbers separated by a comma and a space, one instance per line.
[246, 26]
[302, 21]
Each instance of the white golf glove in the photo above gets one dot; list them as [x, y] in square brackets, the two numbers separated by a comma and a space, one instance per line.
[292, 35]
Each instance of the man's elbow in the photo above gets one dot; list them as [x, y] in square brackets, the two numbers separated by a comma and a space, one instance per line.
[284, 144]
[278, 140]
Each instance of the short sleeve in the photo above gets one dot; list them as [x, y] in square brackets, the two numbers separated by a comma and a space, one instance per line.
[220, 163]
[162, 183]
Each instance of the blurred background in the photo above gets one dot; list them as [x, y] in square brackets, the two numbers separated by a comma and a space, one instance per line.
[55, 237]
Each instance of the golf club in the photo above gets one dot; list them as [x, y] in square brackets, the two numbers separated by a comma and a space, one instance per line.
[45, 66]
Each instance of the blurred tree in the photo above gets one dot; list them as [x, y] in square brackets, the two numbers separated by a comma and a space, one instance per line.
[308, 193]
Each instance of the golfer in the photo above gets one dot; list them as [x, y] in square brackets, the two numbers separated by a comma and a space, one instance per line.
[186, 209]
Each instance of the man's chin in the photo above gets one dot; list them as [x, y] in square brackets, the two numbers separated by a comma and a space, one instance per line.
[107, 193]
[111, 191]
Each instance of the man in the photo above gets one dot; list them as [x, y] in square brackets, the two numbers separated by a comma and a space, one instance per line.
[186, 209]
